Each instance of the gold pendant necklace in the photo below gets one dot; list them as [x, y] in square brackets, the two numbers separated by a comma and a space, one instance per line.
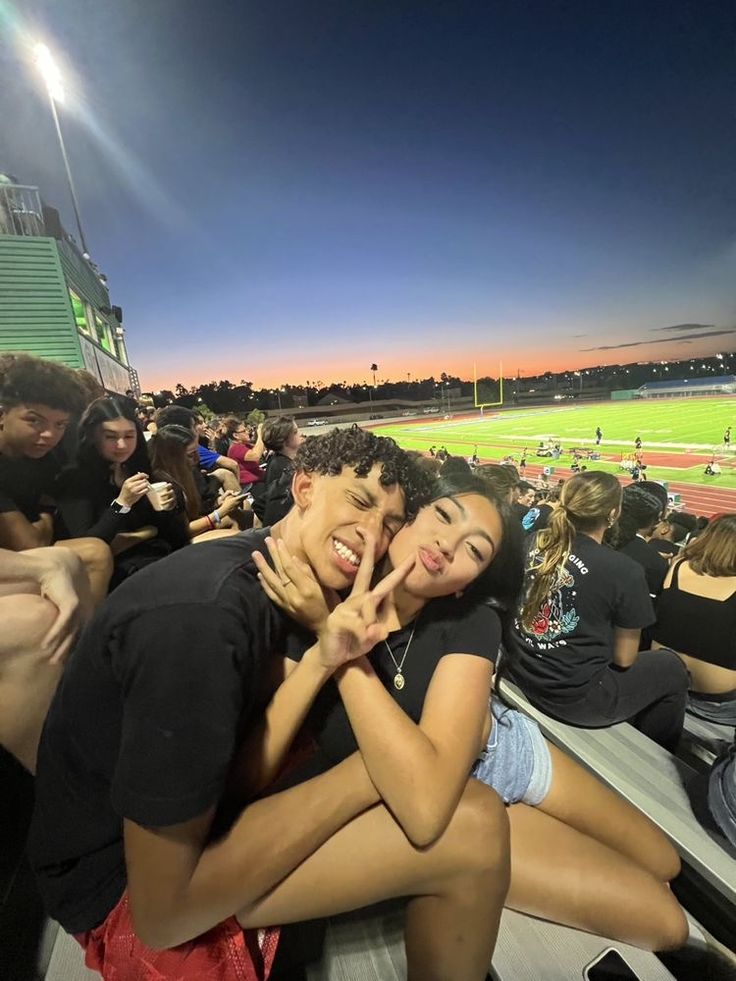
[399, 680]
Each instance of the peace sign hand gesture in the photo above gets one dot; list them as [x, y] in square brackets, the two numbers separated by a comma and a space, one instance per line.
[361, 621]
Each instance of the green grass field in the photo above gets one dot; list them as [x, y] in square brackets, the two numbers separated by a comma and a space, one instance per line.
[676, 434]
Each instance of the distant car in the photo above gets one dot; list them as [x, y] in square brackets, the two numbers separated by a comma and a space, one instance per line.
[376, 415]
[430, 410]
[407, 412]
[544, 451]
[315, 422]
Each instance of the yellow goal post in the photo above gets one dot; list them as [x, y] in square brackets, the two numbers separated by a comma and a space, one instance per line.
[483, 404]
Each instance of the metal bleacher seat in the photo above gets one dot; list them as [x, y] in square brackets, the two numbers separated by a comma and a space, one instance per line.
[706, 739]
[368, 946]
[663, 787]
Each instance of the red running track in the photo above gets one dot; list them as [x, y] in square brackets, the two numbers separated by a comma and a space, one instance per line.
[700, 499]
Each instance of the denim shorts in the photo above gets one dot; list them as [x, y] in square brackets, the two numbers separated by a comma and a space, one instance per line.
[516, 763]
[713, 708]
[722, 793]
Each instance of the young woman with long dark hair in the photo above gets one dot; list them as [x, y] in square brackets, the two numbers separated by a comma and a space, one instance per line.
[175, 459]
[417, 709]
[104, 494]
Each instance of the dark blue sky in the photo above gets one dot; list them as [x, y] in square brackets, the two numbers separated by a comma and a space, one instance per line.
[290, 190]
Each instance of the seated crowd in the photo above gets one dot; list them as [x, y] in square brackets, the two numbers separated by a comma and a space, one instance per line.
[281, 722]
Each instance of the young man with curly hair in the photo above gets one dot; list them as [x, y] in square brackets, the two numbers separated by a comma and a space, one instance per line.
[143, 736]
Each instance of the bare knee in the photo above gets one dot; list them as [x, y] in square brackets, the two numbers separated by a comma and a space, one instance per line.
[674, 930]
[93, 553]
[481, 827]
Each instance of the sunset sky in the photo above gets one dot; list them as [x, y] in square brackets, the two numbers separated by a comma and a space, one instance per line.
[287, 191]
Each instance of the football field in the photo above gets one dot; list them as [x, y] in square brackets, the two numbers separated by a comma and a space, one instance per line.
[679, 437]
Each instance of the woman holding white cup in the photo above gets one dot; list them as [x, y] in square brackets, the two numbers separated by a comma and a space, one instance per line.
[107, 493]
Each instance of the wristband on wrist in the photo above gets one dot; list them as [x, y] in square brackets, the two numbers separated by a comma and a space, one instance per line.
[216, 517]
[210, 521]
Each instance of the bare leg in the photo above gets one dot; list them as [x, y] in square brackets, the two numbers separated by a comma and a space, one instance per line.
[458, 884]
[563, 875]
[581, 801]
[97, 561]
[227, 479]
[27, 679]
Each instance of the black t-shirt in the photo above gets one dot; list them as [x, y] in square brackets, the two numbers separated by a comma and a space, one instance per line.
[445, 626]
[654, 566]
[24, 482]
[150, 709]
[597, 590]
[663, 546]
[277, 466]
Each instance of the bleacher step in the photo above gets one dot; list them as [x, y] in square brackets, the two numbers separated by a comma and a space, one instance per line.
[661, 786]
[368, 946]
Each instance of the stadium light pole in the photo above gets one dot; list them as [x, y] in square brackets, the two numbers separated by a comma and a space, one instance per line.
[52, 80]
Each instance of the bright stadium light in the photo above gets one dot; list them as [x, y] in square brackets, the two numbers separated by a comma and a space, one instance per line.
[51, 75]
[49, 72]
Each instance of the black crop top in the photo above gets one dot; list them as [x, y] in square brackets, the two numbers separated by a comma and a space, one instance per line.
[700, 627]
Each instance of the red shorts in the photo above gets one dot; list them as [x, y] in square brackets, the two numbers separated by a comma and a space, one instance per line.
[224, 953]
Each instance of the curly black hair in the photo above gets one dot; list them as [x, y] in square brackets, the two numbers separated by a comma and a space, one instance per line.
[362, 450]
[25, 380]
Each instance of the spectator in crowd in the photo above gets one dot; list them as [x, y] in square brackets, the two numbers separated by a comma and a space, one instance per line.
[525, 494]
[225, 434]
[221, 467]
[696, 616]
[454, 465]
[701, 523]
[175, 459]
[574, 645]
[247, 457]
[631, 534]
[103, 494]
[281, 438]
[565, 826]
[38, 400]
[666, 537]
[503, 479]
[122, 834]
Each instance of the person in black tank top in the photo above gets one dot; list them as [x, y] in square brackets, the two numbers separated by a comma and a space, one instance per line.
[696, 616]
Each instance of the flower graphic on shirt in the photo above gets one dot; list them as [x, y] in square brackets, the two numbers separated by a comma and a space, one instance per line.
[552, 620]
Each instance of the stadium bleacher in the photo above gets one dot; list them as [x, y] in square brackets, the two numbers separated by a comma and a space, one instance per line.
[679, 387]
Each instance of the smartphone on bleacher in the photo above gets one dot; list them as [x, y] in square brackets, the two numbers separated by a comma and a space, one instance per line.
[609, 966]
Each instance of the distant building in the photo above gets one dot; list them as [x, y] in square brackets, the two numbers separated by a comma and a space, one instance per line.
[54, 302]
[679, 387]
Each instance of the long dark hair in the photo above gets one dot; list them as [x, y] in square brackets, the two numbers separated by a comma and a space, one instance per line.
[169, 461]
[102, 410]
[500, 584]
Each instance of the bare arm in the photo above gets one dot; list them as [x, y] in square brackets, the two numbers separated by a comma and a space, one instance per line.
[264, 751]
[227, 464]
[420, 770]
[18, 533]
[178, 889]
[625, 646]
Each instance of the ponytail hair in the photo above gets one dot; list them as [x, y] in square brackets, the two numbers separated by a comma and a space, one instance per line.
[587, 501]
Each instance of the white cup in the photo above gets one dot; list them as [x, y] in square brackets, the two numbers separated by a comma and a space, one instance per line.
[155, 493]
